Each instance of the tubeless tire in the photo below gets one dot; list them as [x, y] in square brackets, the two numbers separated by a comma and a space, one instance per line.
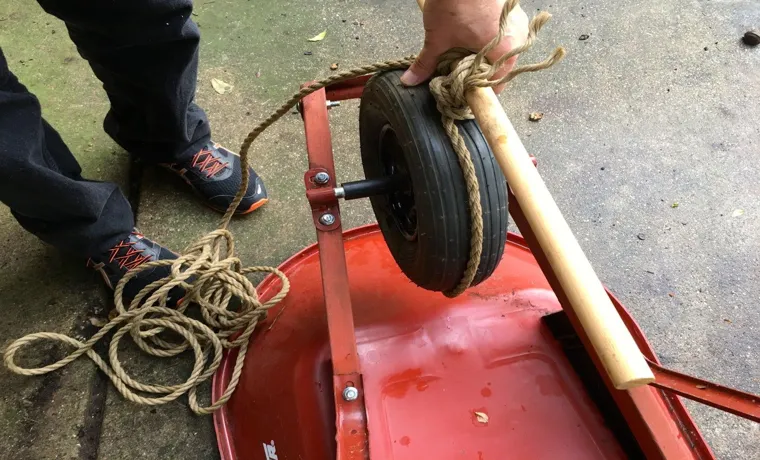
[427, 223]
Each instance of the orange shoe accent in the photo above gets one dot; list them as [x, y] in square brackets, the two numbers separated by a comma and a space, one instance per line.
[253, 207]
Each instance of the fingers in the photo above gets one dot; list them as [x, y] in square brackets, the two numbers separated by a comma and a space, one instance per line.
[517, 34]
[506, 44]
[422, 69]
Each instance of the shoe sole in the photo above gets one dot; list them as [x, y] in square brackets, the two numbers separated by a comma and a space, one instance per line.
[256, 205]
[253, 207]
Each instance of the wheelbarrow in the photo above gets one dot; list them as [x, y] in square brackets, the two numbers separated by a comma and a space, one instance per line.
[366, 358]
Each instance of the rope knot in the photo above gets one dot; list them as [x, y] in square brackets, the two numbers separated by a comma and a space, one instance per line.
[456, 70]
[460, 70]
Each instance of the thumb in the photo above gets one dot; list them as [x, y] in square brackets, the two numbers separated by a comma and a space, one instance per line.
[422, 69]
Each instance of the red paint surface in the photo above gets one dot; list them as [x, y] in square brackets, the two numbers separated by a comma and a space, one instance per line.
[424, 360]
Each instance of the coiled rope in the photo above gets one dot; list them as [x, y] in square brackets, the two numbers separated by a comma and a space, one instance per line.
[212, 276]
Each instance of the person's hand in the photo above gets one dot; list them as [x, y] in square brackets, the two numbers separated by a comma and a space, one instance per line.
[469, 24]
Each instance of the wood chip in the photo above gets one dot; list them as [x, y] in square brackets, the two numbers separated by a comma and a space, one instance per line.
[482, 417]
[334, 66]
[535, 116]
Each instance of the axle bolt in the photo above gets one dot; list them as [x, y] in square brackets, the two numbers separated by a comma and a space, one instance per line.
[321, 178]
[327, 219]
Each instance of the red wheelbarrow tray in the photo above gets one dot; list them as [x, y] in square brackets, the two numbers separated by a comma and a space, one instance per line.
[476, 377]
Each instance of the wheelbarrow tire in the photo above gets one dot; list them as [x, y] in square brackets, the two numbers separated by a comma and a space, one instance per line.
[402, 122]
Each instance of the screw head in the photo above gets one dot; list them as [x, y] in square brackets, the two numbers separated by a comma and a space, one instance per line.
[321, 178]
[350, 394]
[327, 219]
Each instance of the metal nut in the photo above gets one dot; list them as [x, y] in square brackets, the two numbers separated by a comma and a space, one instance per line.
[350, 394]
[327, 219]
[321, 178]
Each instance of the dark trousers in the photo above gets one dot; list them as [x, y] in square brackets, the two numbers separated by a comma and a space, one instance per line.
[146, 54]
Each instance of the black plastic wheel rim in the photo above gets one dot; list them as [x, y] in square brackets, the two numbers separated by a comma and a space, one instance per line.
[401, 207]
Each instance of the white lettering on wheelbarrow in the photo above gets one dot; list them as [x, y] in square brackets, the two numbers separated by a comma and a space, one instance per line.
[270, 451]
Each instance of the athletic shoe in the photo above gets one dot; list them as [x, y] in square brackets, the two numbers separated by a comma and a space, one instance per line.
[130, 253]
[215, 174]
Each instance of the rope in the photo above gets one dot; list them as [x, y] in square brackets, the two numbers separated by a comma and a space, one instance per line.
[460, 71]
[214, 278]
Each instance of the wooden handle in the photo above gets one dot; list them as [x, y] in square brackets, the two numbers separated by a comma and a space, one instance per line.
[610, 338]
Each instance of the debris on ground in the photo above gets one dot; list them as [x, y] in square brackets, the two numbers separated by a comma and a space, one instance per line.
[584, 37]
[319, 37]
[98, 322]
[751, 38]
[641, 236]
[737, 212]
[307, 53]
[334, 66]
[535, 116]
[220, 86]
[674, 205]
[258, 73]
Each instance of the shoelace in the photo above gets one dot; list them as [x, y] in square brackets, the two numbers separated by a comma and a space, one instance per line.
[207, 163]
[131, 258]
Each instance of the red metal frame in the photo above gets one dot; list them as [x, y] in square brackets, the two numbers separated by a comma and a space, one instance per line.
[650, 412]
[351, 418]
[641, 407]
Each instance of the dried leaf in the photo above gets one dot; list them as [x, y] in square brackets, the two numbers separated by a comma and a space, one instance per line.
[535, 116]
[726, 320]
[701, 387]
[318, 38]
[674, 205]
[671, 294]
[98, 322]
[334, 66]
[482, 417]
[737, 212]
[220, 86]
